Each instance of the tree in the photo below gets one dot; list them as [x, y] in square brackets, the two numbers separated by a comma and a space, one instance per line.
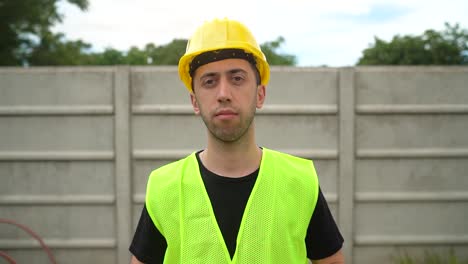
[270, 49]
[109, 56]
[136, 57]
[53, 50]
[168, 54]
[24, 21]
[26, 39]
[448, 47]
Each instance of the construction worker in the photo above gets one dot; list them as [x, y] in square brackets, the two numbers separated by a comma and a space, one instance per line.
[233, 202]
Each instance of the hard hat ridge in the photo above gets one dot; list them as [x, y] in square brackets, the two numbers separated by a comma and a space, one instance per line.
[218, 40]
[216, 55]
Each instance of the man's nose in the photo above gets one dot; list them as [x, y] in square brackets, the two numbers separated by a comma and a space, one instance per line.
[224, 90]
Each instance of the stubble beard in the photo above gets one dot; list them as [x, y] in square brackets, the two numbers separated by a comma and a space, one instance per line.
[228, 134]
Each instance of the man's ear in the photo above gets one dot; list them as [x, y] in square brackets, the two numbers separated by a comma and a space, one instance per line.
[194, 101]
[261, 94]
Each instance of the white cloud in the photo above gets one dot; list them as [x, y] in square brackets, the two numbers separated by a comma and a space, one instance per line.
[331, 32]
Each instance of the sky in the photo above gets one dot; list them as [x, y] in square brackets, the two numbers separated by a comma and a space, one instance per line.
[318, 32]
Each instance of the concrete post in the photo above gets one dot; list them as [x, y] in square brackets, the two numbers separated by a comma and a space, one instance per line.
[346, 160]
[122, 147]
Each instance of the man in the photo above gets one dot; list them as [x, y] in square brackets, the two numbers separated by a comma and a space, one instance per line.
[233, 202]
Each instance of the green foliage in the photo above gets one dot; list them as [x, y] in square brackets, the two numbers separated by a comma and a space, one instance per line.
[448, 47]
[26, 39]
[109, 56]
[270, 49]
[136, 57]
[52, 50]
[430, 258]
[23, 21]
[167, 54]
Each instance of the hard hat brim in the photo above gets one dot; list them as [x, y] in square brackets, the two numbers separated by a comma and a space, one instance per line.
[261, 63]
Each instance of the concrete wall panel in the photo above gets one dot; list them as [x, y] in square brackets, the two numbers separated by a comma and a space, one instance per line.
[304, 132]
[395, 253]
[411, 131]
[158, 86]
[33, 133]
[56, 86]
[302, 86]
[57, 178]
[412, 175]
[389, 145]
[168, 132]
[62, 221]
[432, 85]
[64, 256]
[327, 171]
[412, 219]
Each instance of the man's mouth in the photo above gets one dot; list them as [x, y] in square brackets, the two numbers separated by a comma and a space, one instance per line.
[225, 114]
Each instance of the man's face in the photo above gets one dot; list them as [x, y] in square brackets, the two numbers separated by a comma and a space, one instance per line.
[226, 96]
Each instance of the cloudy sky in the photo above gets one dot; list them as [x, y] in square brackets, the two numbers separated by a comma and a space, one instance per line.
[318, 32]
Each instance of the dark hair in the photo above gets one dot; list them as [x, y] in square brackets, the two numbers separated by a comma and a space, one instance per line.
[222, 54]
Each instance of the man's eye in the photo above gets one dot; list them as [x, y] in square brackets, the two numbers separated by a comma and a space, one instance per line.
[208, 82]
[237, 78]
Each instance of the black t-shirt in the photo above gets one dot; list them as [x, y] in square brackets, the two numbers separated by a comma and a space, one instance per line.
[228, 197]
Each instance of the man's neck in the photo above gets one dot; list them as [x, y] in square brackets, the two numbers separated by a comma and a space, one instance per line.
[232, 159]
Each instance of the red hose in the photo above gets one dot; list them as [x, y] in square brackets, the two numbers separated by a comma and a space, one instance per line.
[30, 232]
[8, 258]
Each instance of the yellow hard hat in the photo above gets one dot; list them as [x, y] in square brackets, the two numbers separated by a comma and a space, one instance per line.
[222, 34]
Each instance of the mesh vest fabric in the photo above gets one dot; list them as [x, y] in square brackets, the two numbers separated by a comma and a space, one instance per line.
[274, 223]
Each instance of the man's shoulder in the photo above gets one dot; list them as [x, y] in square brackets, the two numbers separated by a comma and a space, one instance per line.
[286, 156]
[173, 167]
[289, 165]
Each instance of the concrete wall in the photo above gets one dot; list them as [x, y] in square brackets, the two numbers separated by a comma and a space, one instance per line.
[77, 144]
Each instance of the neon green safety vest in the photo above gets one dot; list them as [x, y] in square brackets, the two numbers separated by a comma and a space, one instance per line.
[273, 226]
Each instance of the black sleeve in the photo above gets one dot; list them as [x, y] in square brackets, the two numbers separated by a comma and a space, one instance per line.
[323, 237]
[148, 244]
